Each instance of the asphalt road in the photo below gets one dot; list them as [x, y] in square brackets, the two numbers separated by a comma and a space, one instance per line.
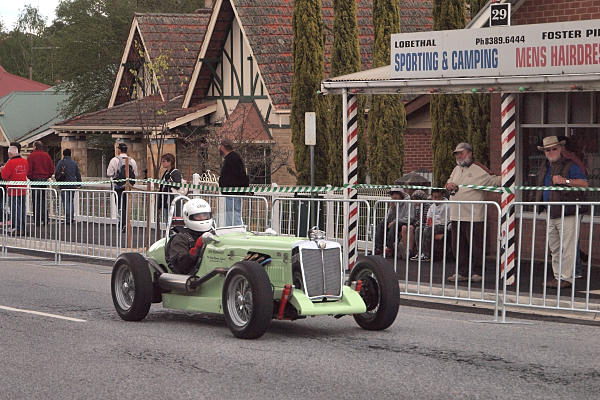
[427, 353]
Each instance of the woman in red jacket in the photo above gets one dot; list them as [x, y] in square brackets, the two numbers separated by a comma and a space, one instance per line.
[16, 170]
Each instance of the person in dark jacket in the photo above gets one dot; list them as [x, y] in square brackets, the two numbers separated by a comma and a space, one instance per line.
[171, 174]
[16, 170]
[67, 170]
[185, 248]
[233, 174]
[41, 169]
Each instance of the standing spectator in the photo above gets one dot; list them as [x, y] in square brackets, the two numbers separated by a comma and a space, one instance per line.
[471, 216]
[233, 174]
[437, 218]
[556, 170]
[67, 170]
[41, 168]
[171, 174]
[116, 169]
[16, 170]
[401, 213]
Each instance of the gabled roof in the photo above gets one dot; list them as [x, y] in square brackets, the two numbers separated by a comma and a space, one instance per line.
[127, 116]
[23, 114]
[266, 24]
[268, 27]
[178, 36]
[14, 83]
[245, 125]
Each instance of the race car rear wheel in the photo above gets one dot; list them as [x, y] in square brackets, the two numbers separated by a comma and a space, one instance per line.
[131, 287]
[247, 300]
[379, 291]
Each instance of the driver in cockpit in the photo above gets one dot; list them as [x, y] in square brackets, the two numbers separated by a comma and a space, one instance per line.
[184, 249]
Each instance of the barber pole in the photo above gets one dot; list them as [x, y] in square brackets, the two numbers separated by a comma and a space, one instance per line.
[507, 253]
[352, 168]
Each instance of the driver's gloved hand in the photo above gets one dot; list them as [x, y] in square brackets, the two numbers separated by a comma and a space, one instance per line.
[194, 250]
[208, 237]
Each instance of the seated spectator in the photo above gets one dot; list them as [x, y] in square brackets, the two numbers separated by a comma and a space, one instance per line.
[396, 212]
[436, 225]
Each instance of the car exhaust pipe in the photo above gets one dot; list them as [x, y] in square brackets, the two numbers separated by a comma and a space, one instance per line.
[177, 282]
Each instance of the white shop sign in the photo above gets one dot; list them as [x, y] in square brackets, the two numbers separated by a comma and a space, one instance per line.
[556, 48]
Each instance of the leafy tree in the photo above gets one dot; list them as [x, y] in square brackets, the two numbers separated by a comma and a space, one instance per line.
[90, 36]
[28, 48]
[345, 59]
[477, 110]
[308, 74]
[387, 118]
[447, 122]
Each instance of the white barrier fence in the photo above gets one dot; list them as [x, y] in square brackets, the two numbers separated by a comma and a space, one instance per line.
[87, 222]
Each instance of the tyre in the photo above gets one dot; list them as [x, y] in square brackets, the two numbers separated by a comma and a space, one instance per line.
[379, 291]
[131, 287]
[247, 300]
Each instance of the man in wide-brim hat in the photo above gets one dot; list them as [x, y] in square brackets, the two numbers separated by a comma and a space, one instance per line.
[556, 170]
[399, 212]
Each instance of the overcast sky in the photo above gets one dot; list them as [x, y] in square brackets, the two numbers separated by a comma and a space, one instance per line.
[10, 10]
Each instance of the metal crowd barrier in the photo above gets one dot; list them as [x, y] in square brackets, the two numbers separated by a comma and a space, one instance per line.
[428, 277]
[92, 227]
[534, 269]
[28, 218]
[88, 223]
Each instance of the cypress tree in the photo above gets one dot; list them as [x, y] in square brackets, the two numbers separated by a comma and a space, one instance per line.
[447, 120]
[477, 110]
[475, 6]
[308, 74]
[387, 118]
[345, 59]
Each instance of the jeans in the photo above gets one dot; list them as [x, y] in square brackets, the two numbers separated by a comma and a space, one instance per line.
[427, 235]
[122, 205]
[469, 249]
[17, 211]
[38, 194]
[233, 211]
[66, 197]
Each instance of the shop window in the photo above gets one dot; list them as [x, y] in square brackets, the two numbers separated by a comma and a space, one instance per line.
[555, 106]
[580, 111]
[532, 109]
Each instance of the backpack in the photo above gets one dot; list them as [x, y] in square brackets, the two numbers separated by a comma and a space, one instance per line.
[61, 174]
[181, 189]
[121, 174]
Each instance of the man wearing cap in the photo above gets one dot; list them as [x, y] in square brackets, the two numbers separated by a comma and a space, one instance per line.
[556, 170]
[468, 249]
[112, 170]
[233, 174]
[400, 212]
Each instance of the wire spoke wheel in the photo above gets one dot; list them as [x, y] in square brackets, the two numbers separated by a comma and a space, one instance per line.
[124, 287]
[247, 300]
[239, 301]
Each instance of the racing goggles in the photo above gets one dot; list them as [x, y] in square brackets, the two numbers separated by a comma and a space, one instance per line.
[200, 216]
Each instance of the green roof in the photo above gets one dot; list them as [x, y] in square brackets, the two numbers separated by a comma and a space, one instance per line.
[25, 114]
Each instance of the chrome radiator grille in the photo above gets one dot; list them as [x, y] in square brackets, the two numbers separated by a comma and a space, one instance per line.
[322, 272]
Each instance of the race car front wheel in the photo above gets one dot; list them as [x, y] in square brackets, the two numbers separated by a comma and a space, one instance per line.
[131, 287]
[379, 291]
[247, 300]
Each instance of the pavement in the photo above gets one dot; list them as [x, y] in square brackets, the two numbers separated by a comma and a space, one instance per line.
[61, 338]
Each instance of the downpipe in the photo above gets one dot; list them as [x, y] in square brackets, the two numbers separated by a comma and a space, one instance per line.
[177, 282]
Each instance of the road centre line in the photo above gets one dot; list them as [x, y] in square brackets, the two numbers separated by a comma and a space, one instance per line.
[43, 314]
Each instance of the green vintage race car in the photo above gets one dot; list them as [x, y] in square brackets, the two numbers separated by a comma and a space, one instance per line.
[252, 278]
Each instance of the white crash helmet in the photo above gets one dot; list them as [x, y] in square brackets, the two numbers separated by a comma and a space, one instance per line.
[197, 215]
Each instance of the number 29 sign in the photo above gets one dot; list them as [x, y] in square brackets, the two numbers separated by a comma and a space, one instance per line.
[500, 14]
